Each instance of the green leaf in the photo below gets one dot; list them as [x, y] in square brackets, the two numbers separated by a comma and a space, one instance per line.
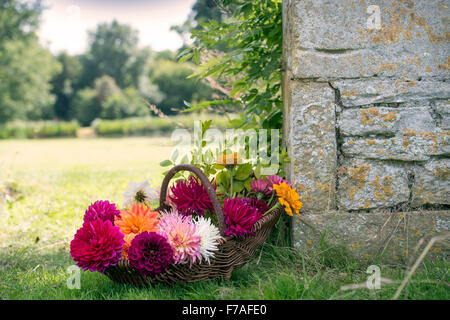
[243, 172]
[165, 163]
[196, 56]
[185, 159]
[238, 186]
[174, 155]
[223, 178]
[258, 171]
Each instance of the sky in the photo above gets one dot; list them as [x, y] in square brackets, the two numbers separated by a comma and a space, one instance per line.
[65, 23]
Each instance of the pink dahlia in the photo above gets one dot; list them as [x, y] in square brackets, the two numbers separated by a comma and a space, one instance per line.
[190, 197]
[258, 204]
[180, 231]
[275, 179]
[260, 186]
[240, 217]
[150, 253]
[101, 210]
[97, 245]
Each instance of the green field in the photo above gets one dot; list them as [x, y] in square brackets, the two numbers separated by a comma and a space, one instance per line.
[52, 182]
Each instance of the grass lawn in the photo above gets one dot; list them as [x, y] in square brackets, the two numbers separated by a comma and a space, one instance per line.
[56, 180]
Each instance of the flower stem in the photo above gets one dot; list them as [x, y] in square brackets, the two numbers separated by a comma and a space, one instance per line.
[273, 208]
[231, 180]
[271, 198]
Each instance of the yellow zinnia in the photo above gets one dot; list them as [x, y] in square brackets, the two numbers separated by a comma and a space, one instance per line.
[288, 197]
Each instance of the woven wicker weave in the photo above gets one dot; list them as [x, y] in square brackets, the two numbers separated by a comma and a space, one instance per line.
[233, 251]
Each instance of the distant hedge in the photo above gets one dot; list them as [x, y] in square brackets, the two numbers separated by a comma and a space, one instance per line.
[153, 125]
[38, 129]
[142, 126]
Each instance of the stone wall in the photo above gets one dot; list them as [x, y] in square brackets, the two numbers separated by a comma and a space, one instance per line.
[367, 112]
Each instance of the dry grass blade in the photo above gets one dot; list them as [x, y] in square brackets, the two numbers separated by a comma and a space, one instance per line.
[419, 261]
[363, 285]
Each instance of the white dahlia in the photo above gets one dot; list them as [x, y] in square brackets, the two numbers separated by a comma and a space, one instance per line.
[139, 193]
[210, 236]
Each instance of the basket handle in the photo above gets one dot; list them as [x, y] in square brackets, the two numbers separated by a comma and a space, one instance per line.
[205, 182]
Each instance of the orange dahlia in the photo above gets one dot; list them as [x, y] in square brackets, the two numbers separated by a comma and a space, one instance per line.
[135, 220]
[288, 197]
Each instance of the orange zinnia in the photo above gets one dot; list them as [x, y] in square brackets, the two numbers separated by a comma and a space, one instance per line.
[288, 197]
[135, 220]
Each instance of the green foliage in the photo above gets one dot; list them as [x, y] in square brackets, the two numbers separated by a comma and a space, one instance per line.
[65, 84]
[171, 79]
[85, 106]
[114, 52]
[25, 73]
[151, 125]
[124, 104]
[251, 65]
[25, 67]
[18, 19]
[38, 129]
[105, 87]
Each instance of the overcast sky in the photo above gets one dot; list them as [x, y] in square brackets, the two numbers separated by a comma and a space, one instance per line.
[65, 23]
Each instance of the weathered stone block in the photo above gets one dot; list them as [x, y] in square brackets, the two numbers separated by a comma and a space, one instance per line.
[412, 146]
[442, 108]
[385, 121]
[367, 121]
[432, 183]
[371, 184]
[331, 41]
[373, 235]
[312, 143]
[360, 92]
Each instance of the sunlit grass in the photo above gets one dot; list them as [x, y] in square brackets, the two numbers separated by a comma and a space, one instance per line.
[58, 179]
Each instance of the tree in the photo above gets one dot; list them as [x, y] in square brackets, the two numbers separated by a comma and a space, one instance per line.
[125, 104]
[171, 79]
[202, 11]
[113, 51]
[25, 73]
[25, 67]
[85, 106]
[250, 67]
[65, 84]
[18, 19]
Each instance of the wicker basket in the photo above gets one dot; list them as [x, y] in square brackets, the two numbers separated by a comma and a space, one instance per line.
[233, 251]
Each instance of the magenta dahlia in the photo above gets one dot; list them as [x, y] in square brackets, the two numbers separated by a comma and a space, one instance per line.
[150, 253]
[101, 210]
[258, 204]
[190, 197]
[260, 186]
[97, 245]
[240, 217]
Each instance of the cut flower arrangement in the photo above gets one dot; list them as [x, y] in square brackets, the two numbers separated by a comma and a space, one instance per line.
[196, 233]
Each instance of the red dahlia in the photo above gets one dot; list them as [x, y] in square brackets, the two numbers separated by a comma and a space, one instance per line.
[150, 253]
[258, 204]
[101, 210]
[240, 217]
[190, 197]
[97, 245]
